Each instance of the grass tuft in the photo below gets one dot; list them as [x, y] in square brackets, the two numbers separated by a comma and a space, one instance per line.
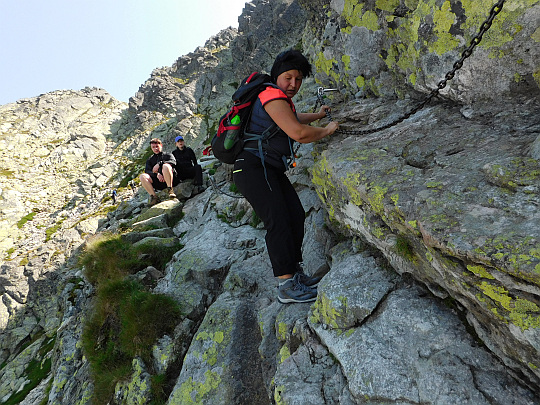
[126, 320]
[108, 257]
[233, 188]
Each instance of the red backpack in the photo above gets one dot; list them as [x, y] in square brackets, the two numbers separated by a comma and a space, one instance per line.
[228, 142]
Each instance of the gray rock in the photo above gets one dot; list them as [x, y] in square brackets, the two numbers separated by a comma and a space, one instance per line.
[150, 224]
[414, 350]
[152, 243]
[134, 237]
[535, 149]
[310, 376]
[444, 221]
[222, 366]
[351, 292]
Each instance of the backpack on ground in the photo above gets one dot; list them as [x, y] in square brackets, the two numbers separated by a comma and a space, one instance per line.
[228, 142]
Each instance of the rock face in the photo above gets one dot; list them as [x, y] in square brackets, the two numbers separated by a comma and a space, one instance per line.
[452, 224]
[52, 146]
[390, 47]
[427, 232]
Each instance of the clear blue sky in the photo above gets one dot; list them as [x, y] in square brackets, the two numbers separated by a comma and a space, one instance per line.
[113, 44]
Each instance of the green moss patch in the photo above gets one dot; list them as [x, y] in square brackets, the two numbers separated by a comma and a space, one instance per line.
[134, 169]
[36, 371]
[49, 232]
[25, 219]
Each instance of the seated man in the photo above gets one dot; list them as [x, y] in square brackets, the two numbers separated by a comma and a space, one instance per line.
[186, 163]
[159, 172]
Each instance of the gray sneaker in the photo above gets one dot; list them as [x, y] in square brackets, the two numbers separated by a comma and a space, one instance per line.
[292, 290]
[308, 281]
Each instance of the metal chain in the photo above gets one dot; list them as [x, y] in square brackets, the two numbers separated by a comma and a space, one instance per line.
[495, 10]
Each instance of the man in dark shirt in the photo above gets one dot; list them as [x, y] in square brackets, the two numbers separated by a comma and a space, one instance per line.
[186, 163]
[159, 172]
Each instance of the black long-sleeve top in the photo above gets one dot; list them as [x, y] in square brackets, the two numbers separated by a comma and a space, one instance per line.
[185, 157]
[161, 157]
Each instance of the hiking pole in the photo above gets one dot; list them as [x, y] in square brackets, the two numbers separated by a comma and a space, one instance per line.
[320, 97]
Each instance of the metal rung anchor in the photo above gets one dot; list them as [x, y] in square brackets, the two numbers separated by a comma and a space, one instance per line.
[322, 90]
[320, 96]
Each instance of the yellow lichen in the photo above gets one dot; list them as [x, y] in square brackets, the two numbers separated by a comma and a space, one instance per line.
[282, 331]
[376, 198]
[327, 66]
[352, 182]
[443, 20]
[284, 354]
[325, 312]
[346, 59]
[387, 5]
[354, 15]
[324, 187]
[360, 81]
[194, 392]
[277, 395]
[522, 313]
[480, 271]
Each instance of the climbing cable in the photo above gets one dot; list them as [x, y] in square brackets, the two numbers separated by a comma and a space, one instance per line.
[214, 185]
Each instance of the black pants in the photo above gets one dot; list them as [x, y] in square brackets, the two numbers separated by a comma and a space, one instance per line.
[193, 172]
[280, 209]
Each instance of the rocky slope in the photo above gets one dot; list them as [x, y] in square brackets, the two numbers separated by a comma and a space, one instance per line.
[427, 232]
